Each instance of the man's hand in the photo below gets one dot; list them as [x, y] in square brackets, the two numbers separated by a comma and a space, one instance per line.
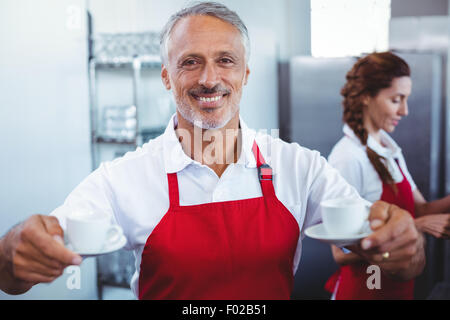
[33, 252]
[396, 246]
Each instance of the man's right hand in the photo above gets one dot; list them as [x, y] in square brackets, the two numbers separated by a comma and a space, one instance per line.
[33, 252]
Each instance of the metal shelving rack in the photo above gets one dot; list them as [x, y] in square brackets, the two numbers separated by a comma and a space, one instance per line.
[135, 64]
[116, 269]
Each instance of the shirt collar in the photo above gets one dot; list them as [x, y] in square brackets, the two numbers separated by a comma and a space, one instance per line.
[175, 159]
[390, 150]
[247, 157]
[390, 153]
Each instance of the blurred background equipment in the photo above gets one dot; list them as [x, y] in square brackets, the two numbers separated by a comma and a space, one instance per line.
[118, 61]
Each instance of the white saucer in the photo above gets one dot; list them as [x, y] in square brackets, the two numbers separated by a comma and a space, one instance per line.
[107, 249]
[318, 232]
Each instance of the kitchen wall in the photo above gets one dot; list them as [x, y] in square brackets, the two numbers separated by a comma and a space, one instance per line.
[44, 119]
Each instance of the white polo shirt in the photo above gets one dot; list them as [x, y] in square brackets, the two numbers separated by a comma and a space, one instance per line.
[133, 190]
[350, 158]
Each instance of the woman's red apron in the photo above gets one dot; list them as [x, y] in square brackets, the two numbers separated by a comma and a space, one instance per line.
[222, 251]
[352, 279]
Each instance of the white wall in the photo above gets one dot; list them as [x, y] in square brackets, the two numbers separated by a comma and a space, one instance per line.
[44, 119]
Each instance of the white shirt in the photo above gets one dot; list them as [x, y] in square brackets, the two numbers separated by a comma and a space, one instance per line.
[350, 158]
[133, 190]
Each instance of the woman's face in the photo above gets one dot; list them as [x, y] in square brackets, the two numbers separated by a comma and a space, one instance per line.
[388, 107]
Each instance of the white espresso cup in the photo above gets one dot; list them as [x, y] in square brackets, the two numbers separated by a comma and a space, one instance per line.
[344, 217]
[90, 233]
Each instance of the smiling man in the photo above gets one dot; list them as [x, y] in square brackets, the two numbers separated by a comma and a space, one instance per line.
[211, 209]
[206, 67]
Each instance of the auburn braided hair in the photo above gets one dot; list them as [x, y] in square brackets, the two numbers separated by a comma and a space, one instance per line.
[368, 76]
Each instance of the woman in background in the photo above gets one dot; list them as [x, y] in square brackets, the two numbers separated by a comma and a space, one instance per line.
[375, 100]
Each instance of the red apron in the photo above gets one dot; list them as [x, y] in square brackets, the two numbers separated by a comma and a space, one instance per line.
[222, 251]
[352, 279]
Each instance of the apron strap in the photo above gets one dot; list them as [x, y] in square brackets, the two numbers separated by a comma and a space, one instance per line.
[174, 194]
[258, 156]
[265, 174]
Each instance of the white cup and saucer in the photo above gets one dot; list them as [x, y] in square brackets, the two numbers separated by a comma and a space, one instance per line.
[345, 222]
[91, 235]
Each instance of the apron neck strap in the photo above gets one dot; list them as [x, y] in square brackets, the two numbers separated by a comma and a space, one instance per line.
[258, 156]
[265, 173]
[264, 170]
[174, 194]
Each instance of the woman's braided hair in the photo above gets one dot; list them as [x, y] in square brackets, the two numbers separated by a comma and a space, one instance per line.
[368, 76]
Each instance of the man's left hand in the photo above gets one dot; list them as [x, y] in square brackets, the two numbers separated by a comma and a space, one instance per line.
[396, 246]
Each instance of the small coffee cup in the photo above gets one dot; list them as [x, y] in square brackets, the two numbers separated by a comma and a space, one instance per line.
[344, 216]
[90, 233]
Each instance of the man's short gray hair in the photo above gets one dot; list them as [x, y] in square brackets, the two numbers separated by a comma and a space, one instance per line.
[213, 9]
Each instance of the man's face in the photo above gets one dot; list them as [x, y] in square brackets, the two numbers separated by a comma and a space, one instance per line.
[206, 70]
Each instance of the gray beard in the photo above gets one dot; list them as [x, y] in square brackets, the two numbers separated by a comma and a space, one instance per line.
[189, 115]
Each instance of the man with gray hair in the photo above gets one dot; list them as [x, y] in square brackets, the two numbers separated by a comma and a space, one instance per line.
[212, 9]
[212, 209]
